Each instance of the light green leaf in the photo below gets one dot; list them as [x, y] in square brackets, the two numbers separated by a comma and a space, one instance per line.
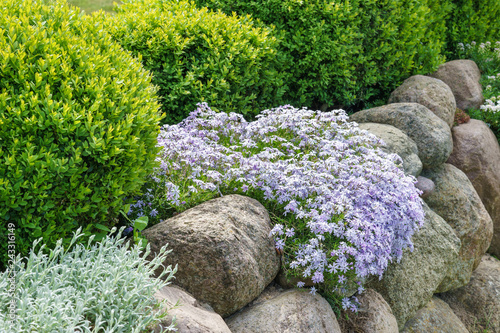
[141, 223]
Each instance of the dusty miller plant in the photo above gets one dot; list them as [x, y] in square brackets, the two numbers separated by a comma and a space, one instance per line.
[105, 287]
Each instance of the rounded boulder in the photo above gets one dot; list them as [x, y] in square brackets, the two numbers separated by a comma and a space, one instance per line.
[478, 303]
[408, 285]
[430, 92]
[477, 153]
[396, 142]
[462, 76]
[191, 316]
[287, 312]
[223, 250]
[431, 134]
[436, 316]
[457, 202]
[374, 315]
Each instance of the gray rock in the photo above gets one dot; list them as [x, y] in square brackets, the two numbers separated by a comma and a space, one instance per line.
[397, 143]
[478, 303]
[436, 317]
[458, 203]
[431, 134]
[223, 250]
[430, 92]
[408, 285]
[374, 315]
[191, 316]
[477, 153]
[287, 312]
[462, 76]
[425, 185]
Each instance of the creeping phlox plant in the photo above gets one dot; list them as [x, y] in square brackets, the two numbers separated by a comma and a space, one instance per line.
[105, 287]
[487, 57]
[342, 208]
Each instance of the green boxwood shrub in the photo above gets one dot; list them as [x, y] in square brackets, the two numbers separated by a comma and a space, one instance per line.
[347, 52]
[472, 20]
[78, 123]
[196, 55]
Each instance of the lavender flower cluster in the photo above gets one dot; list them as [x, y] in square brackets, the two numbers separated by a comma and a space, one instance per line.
[347, 207]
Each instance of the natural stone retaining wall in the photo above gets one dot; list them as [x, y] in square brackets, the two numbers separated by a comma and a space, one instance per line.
[226, 257]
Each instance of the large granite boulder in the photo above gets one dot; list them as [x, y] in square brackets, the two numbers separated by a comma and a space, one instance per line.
[462, 76]
[478, 303]
[396, 142]
[436, 316]
[477, 153]
[457, 202]
[286, 312]
[431, 134]
[191, 316]
[374, 315]
[430, 92]
[223, 250]
[408, 285]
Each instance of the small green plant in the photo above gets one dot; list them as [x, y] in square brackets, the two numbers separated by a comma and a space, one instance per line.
[100, 287]
[135, 228]
[461, 117]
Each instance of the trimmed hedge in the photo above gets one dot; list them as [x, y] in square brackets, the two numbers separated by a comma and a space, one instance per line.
[199, 56]
[348, 52]
[78, 123]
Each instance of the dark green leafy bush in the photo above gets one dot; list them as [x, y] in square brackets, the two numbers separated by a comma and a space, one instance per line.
[348, 52]
[78, 123]
[196, 55]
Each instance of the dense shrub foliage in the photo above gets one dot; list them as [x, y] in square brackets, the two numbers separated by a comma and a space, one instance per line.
[196, 55]
[105, 287]
[473, 20]
[78, 123]
[347, 52]
[342, 208]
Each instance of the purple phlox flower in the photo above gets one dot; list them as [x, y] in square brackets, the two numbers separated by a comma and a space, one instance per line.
[323, 168]
[317, 277]
[346, 303]
[300, 284]
[153, 212]
[280, 244]
[313, 291]
[277, 230]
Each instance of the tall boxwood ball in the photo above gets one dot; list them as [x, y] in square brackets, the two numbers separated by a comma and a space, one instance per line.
[79, 119]
[197, 55]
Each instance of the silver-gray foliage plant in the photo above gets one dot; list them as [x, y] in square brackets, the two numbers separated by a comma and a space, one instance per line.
[104, 287]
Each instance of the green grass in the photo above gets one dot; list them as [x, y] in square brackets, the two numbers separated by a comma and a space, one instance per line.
[92, 5]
